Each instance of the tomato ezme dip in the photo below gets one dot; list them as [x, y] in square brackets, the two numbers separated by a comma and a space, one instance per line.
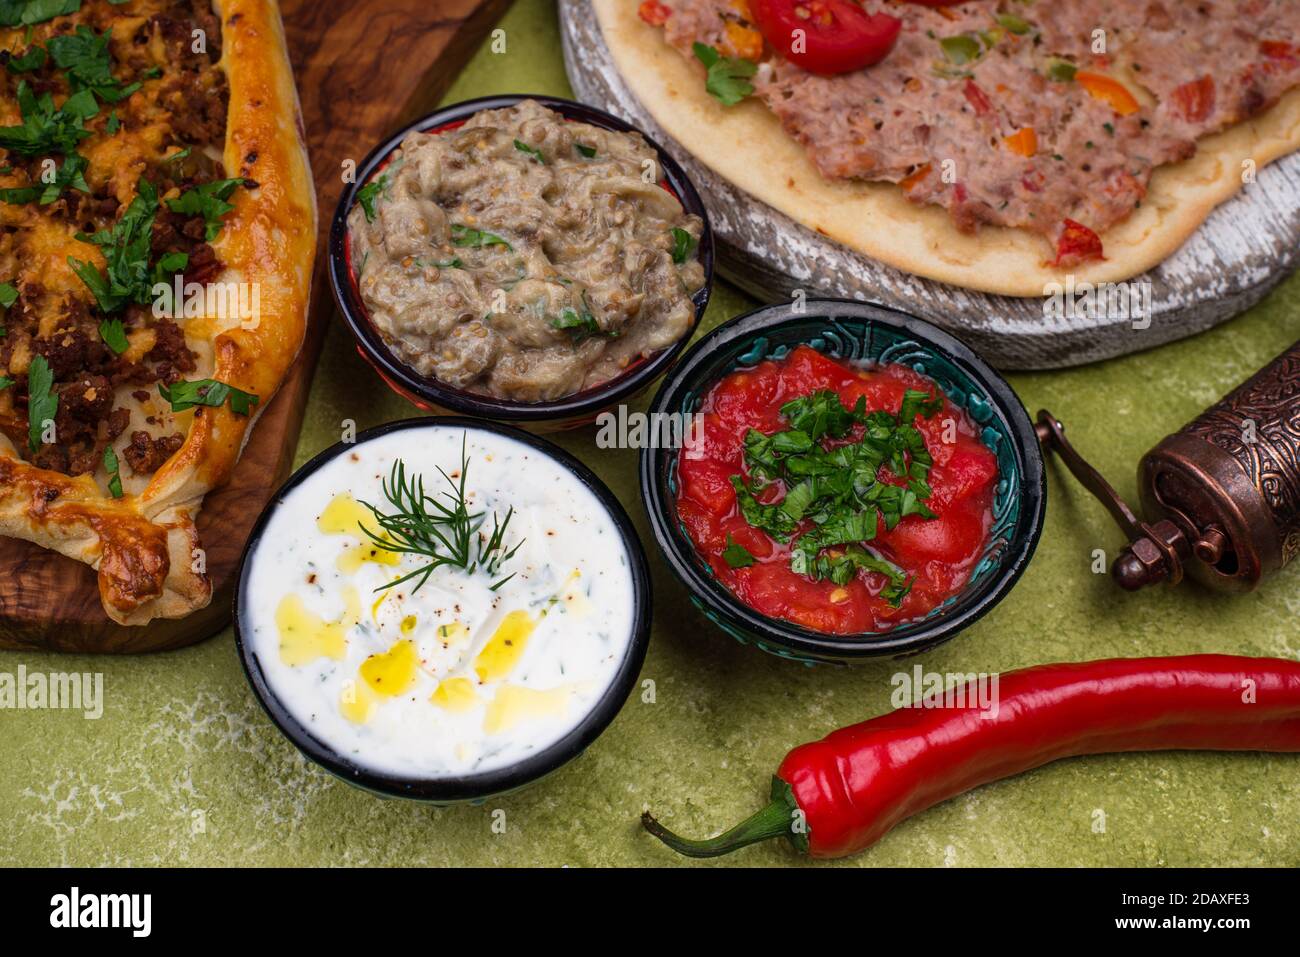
[843, 498]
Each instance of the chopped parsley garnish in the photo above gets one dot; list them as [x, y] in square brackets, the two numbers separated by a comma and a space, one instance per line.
[208, 201]
[126, 248]
[8, 296]
[5, 382]
[44, 129]
[465, 236]
[33, 59]
[14, 13]
[531, 151]
[580, 326]
[169, 265]
[727, 79]
[736, 555]
[585, 150]
[838, 489]
[114, 335]
[840, 567]
[771, 518]
[42, 401]
[113, 125]
[71, 174]
[114, 475]
[442, 530]
[84, 55]
[367, 195]
[683, 245]
[188, 393]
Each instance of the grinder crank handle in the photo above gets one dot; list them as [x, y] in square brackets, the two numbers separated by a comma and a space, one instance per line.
[1156, 552]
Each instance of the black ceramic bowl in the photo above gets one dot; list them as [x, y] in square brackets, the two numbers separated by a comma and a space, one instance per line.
[475, 787]
[855, 331]
[434, 396]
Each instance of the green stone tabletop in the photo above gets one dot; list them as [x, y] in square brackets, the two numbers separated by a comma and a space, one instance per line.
[184, 767]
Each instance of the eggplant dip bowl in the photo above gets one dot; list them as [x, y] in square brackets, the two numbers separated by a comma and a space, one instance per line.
[524, 255]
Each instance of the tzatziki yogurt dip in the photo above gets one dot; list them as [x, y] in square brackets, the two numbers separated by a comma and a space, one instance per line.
[439, 601]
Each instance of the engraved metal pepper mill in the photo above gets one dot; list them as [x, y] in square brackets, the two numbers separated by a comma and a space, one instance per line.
[1221, 495]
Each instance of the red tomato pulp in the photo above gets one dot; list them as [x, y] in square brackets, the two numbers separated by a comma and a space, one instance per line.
[937, 554]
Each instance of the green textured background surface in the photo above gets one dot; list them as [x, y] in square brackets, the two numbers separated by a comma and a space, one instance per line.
[184, 768]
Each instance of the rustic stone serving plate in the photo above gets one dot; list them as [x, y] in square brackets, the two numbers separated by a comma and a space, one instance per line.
[1246, 247]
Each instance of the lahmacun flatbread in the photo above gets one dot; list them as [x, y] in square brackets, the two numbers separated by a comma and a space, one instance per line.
[157, 233]
[990, 131]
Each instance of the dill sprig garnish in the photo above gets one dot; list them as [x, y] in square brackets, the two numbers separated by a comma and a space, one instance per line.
[441, 529]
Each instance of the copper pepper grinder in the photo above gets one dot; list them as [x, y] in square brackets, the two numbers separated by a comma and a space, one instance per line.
[1221, 495]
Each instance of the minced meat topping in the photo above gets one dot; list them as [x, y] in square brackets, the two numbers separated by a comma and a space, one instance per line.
[1016, 113]
[111, 119]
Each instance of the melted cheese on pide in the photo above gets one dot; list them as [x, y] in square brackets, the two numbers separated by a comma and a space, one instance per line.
[454, 677]
[40, 246]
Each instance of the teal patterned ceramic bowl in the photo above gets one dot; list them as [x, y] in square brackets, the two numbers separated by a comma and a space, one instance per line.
[855, 332]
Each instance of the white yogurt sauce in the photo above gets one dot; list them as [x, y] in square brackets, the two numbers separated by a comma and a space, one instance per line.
[451, 678]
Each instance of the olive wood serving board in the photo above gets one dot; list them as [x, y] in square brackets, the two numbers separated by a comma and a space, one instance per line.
[363, 67]
[1246, 247]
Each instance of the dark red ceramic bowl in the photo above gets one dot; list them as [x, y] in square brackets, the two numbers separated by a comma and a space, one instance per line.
[427, 392]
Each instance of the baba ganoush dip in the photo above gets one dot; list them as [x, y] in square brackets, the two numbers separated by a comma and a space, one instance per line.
[524, 256]
[419, 673]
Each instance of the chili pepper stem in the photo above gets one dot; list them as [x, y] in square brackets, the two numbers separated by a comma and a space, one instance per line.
[772, 821]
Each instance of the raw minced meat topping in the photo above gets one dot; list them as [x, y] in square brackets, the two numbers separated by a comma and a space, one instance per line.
[1050, 116]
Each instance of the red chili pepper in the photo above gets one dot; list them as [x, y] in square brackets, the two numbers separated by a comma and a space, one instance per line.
[840, 795]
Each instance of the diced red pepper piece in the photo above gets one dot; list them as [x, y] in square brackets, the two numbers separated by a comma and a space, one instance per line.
[654, 13]
[1279, 50]
[978, 98]
[1077, 243]
[1194, 101]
